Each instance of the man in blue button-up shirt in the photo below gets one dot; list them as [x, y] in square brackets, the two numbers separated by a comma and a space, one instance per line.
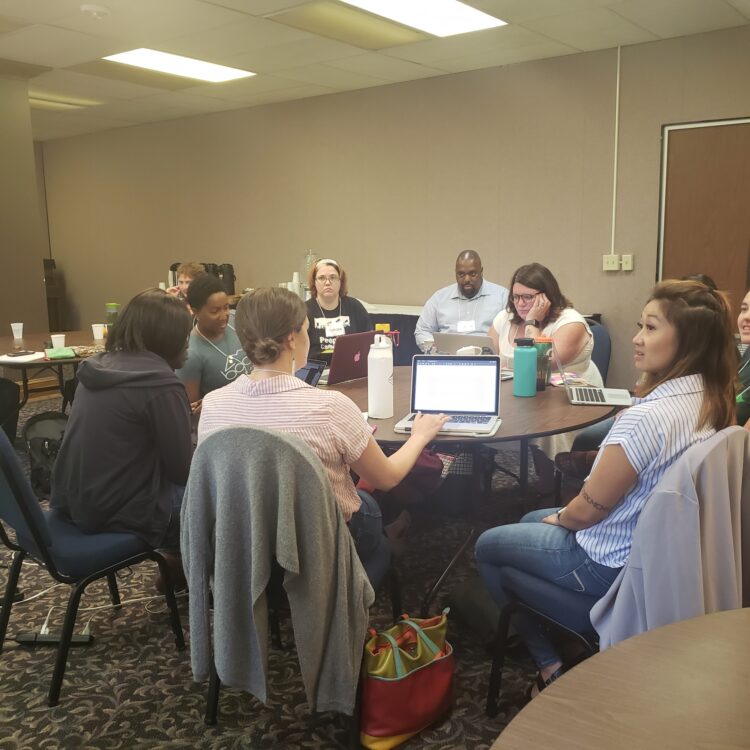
[468, 306]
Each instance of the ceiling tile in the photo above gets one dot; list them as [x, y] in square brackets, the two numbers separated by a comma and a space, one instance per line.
[668, 18]
[597, 28]
[49, 45]
[224, 42]
[297, 92]
[8, 24]
[388, 68]
[39, 11]
[540, 50]
[145, 22]
[257, 7]
[743, 6]
[293, 55]
[244, 89]
[463, 45]
[73, 84]
[518, 11]
[325, 75]
[20, 70]
[48, 125]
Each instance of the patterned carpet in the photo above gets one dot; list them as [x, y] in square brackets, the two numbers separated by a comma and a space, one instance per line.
[132, 689]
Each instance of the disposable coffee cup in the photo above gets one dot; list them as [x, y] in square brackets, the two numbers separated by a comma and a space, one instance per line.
[17, 329]
[98, 330]
[58, 340]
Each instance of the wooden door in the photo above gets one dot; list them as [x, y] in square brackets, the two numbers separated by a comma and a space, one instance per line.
[706, 205]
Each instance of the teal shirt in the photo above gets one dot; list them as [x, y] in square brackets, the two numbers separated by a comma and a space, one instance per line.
[214, 363]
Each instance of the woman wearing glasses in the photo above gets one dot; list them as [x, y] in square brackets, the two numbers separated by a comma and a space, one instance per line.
[331, 312]
[537, 307]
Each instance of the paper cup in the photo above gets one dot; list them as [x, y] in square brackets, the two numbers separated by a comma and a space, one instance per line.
[58, 340]
[98, 330]
[17, 329]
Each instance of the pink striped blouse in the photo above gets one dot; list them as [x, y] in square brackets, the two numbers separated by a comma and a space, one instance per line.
[327, 421]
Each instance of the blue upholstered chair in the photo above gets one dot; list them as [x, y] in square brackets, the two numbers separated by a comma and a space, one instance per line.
[69, 556]
[541, 599]
[602, 350]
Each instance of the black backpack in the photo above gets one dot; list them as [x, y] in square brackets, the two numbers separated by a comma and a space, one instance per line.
[43, 435]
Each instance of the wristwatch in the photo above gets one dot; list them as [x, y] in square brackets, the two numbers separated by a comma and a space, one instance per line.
[533, 322]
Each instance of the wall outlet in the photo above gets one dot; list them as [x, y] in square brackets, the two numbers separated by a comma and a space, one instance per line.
[626, 264]
[611, 262]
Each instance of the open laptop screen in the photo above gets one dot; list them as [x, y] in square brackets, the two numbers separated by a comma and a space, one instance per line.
[455, 385]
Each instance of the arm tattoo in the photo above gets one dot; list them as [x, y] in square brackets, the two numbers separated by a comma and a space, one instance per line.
[590, 500]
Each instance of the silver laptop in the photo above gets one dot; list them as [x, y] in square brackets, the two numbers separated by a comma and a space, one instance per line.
[590, 395]
[466, 388]
[450, 343]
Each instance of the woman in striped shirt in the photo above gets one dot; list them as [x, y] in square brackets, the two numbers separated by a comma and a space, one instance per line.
[273, 328]
[685, 352]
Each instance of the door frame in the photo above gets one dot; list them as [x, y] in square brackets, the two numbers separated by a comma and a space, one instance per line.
[665, 131]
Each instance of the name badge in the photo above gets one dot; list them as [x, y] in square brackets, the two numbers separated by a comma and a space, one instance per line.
[466, 326]
[335, 327]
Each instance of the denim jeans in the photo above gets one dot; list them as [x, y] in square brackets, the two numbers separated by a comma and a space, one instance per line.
[548, 552]
[366, 528]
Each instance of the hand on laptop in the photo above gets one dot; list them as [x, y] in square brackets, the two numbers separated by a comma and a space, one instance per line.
[427, 426]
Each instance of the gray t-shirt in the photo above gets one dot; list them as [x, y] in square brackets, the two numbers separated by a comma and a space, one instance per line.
[214, 363]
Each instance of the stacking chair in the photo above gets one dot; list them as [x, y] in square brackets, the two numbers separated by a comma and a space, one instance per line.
[67, 554]
[602, 350]
[540, 599]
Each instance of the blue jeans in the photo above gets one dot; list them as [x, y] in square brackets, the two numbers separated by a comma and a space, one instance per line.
[547, 552]
[366, 528]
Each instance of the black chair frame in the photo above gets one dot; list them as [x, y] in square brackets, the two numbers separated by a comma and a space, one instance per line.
[79, 585]
[500, 647]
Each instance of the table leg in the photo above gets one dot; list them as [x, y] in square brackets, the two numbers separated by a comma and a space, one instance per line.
[24, 388]
[523, 469]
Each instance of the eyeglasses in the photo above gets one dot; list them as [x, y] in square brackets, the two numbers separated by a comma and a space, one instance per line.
[468, 274]
[523, 297]
[329, 279]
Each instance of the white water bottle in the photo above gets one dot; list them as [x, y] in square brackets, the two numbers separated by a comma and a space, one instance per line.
[380, 378]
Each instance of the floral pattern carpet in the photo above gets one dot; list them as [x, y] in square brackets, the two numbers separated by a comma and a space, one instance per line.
[132, 689]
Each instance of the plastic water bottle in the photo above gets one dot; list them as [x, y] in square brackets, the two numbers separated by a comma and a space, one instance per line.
[524, 368]
[380, 378]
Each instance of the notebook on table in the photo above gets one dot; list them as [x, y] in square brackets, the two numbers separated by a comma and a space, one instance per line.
[349, 358]
[466, 388]
[590, 395]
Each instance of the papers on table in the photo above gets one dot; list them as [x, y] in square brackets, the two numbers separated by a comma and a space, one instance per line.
[5, 358]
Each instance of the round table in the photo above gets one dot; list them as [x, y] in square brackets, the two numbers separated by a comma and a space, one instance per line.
[685, 685]
[523, 419]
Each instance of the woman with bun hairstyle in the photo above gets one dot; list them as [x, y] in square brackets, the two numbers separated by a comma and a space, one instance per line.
[331, 312]
[272, 325]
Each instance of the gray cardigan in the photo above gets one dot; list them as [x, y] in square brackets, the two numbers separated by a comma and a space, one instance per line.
[686, 559]
[254, 494]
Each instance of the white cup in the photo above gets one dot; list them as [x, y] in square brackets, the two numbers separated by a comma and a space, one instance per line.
[98, 330]
[17, 329]
[469, 351]
[162, 286]
[58, 340]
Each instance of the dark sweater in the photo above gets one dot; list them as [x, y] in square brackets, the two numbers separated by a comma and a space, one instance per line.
[743, 395]
[126, 446]
[353, 314]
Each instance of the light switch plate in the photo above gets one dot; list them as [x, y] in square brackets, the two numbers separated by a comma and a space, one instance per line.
[626, 263]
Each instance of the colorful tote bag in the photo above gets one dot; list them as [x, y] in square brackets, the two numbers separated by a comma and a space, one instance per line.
[407, 681]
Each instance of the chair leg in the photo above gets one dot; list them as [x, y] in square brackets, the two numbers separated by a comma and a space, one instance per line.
[498, 660]
[114, 593]
[212, 701]
[65, 636]
[10, 590]
[174, 614]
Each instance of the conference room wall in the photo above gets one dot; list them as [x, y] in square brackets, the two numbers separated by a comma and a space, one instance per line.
[22, 249]
[515, 162]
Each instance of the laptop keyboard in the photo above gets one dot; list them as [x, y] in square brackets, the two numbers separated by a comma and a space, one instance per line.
[589, 395]
[463, 419]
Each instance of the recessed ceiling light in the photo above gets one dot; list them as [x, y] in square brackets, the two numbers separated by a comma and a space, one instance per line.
[177, 65]
[438, 17]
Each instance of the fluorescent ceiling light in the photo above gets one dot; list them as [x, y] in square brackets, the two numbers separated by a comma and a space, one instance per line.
[438, 17]
[177, 65]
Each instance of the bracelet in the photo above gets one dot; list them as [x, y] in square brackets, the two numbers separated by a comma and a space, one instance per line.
[559, 522]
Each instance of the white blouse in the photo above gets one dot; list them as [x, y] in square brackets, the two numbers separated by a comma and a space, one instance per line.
[582, 365]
